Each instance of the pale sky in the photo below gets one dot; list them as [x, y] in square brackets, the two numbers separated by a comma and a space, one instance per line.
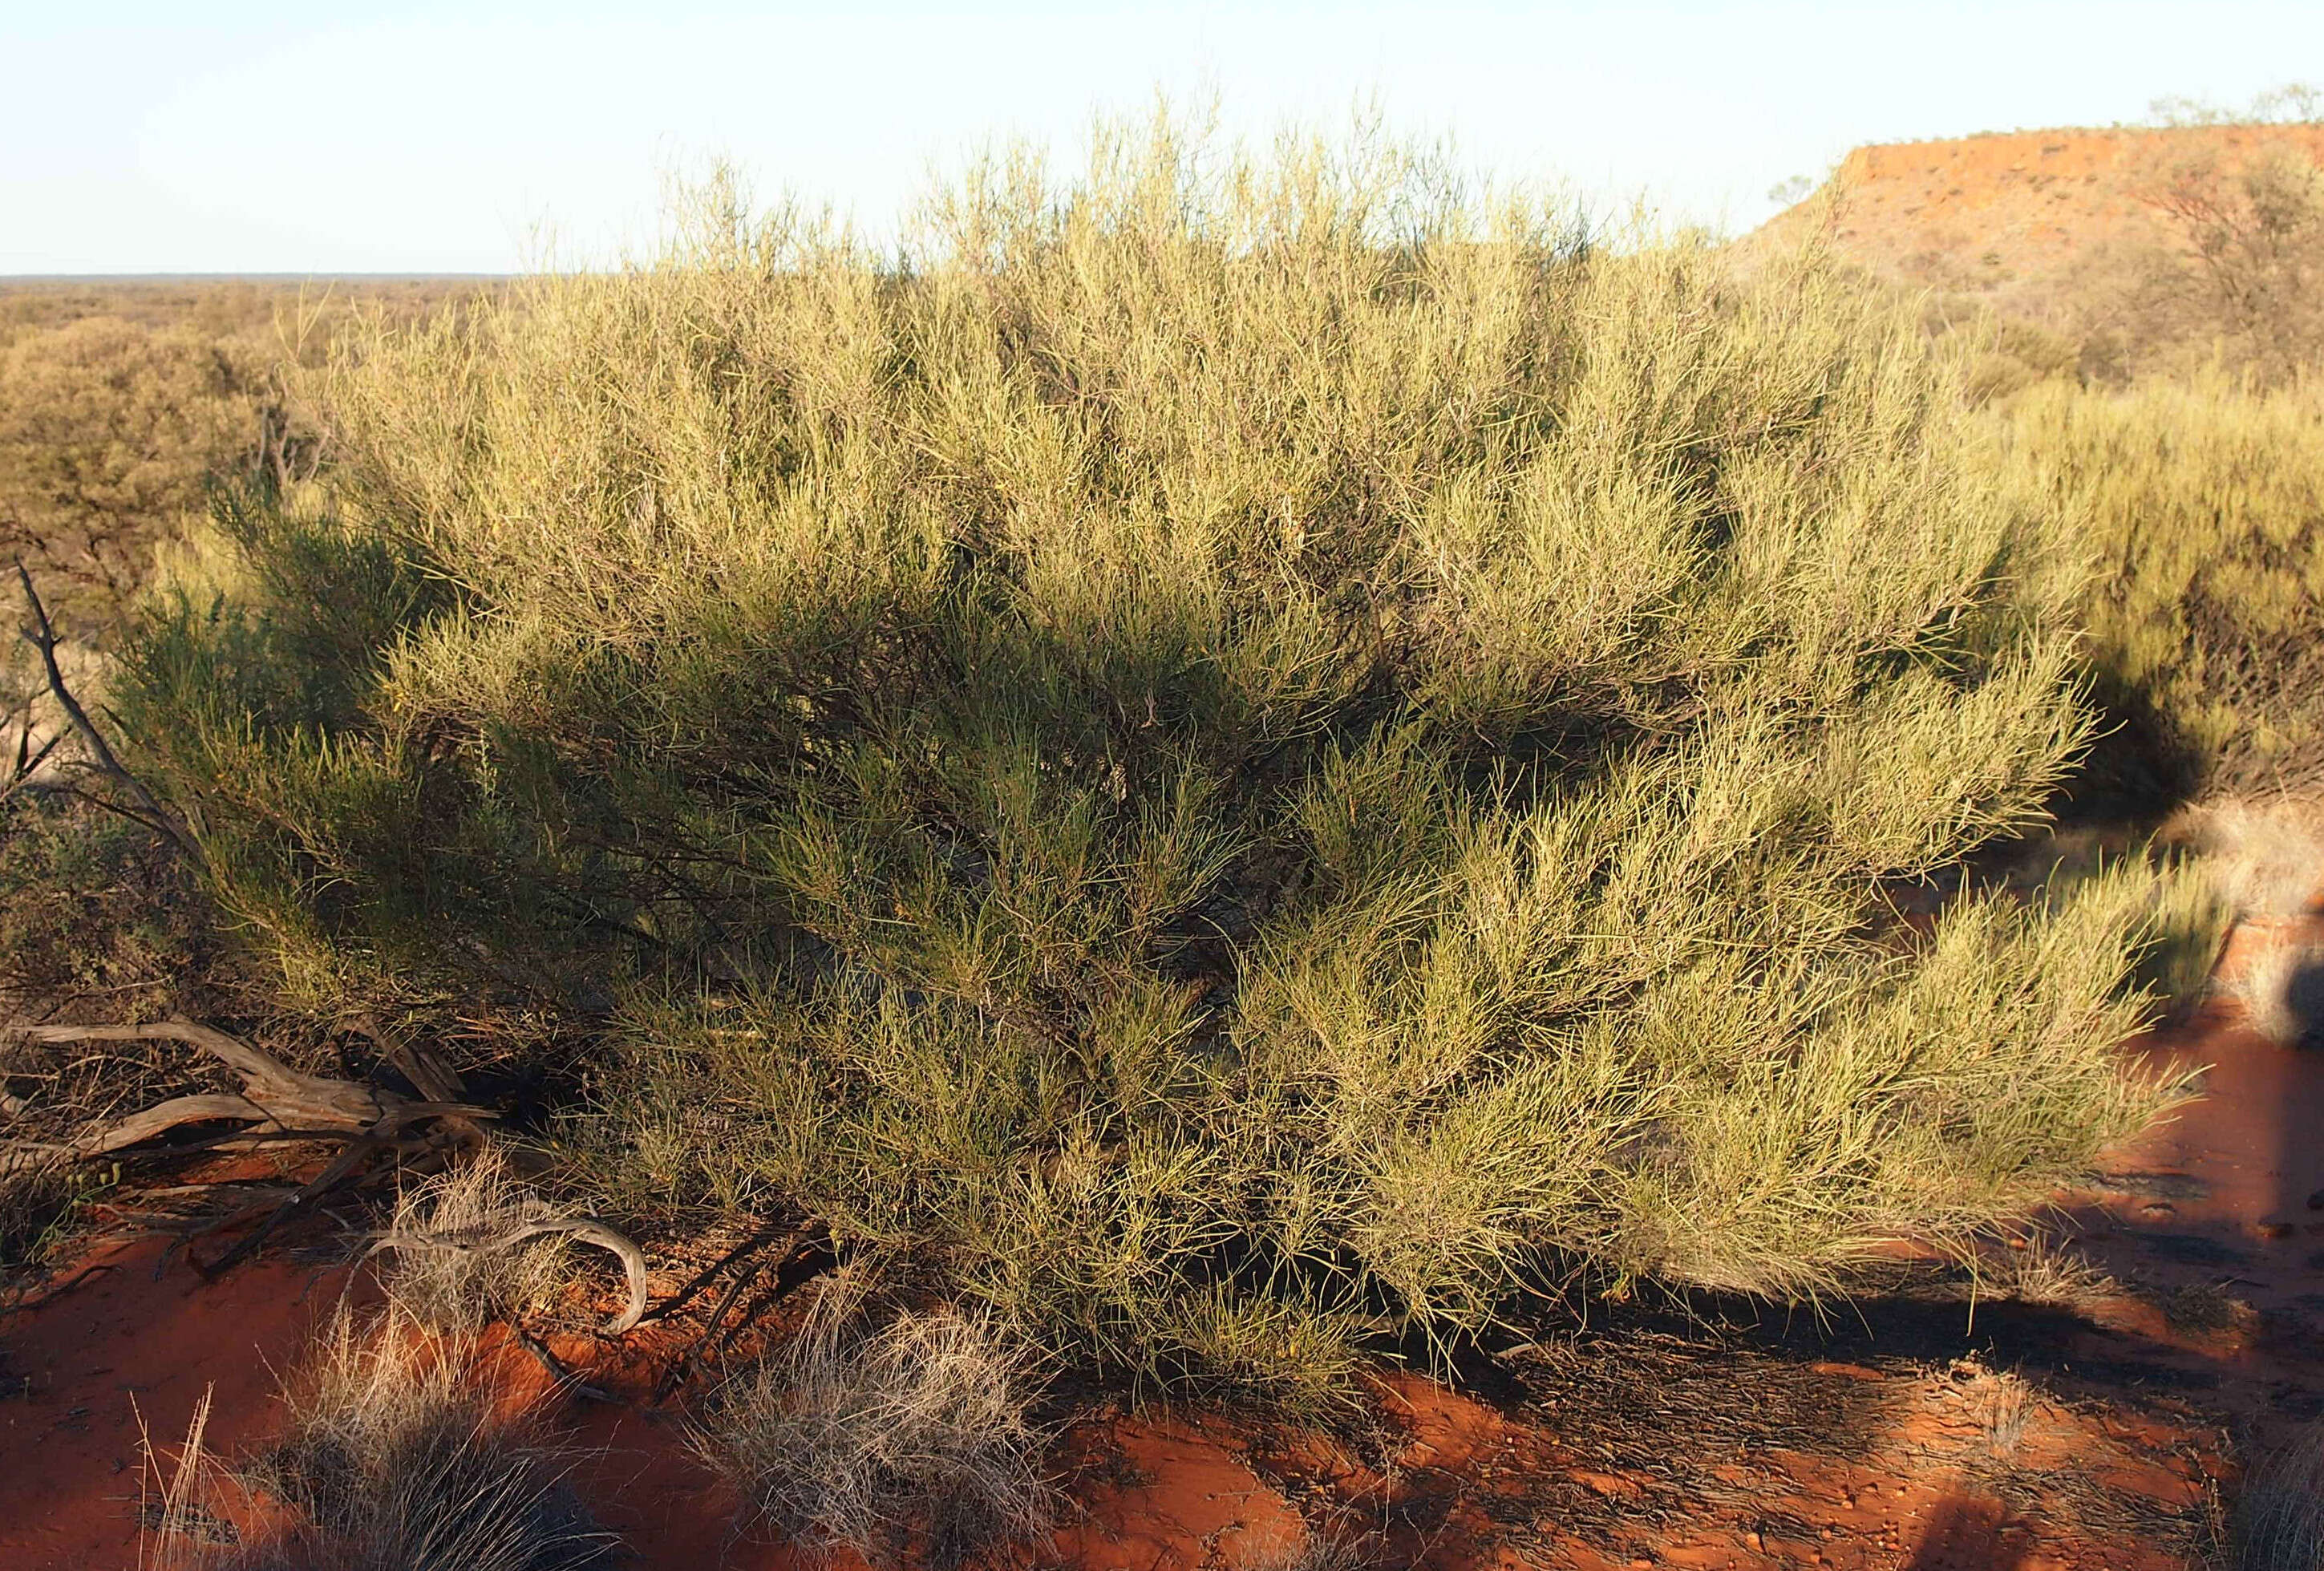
[253, 135]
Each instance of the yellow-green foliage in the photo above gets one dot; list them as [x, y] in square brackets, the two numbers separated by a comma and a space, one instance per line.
[2201, 506]
[108, 430]
[121, 404]
[1233, 755]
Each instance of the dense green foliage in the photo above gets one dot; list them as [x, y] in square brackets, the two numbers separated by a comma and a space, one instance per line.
[1222, 763]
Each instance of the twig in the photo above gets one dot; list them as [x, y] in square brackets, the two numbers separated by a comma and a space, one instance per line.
[26, 1306]
[580, 1229]
[703, 1278]
[683, 1370]
[339, 1168]
[566, 1378]
[43, 637]
[28, 761]
[811, 1257]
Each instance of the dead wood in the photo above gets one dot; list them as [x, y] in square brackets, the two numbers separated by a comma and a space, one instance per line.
[566, 1378]
[275, 1098]
[580, 1229]
[269, 1082]
[42, 636]
[278, 1102]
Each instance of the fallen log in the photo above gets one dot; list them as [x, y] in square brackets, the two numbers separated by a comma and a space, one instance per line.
[275, 1098]
[279, 1102]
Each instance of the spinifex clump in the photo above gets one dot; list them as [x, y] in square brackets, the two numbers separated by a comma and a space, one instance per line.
[1222, 759]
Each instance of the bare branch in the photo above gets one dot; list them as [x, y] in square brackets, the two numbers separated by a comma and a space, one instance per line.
[42, 636]
[580, 1229]
[269, 1080]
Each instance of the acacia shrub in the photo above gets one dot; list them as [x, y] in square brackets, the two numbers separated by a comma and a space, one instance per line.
[2199, 504]
[1229, 757]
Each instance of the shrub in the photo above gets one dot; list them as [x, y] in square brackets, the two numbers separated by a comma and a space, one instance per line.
[93, 905]
[2242, 219]
[108, 431]
[2201, 504]
[1227, 756]
[121, 402]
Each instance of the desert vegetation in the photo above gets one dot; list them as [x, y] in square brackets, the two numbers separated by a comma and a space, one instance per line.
[122, 406]
[400, 1451]
[906, 1443]
[1226, 767]
[2199, 504]
[1229, 760]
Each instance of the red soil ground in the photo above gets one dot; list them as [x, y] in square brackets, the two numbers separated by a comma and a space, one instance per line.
[2030, 220]
[1895, 1433]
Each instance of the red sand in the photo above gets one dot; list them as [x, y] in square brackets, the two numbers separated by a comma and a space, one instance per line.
[125, 1346]
[1462, 1483]
[2016, 216]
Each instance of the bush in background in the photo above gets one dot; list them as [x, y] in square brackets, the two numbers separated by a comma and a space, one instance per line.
[2200, 505]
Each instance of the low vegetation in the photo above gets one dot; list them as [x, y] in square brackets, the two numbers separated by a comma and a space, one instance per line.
[1225, 766]
[2282, 990]
[906, 1445]
[2201, 503]
[1231, 760]
[400, 1449]
[395, 1458]
[2278, 1520]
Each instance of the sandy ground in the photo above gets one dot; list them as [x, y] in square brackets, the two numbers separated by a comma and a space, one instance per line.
[1892, 1433]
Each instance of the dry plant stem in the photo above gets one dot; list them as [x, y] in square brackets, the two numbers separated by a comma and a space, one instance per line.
[42, 637]
[85, 1274]
[429, 1076]
[709, 1273]
[273, 1092]
[809, 1258]
[27, 759]
[370, 1120]
[341, 1167]
[683, 1371]
[557, 1370]
[581, 1230]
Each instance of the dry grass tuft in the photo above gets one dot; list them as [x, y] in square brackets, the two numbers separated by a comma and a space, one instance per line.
[2278, 1524]
[2046, 1272]
[908, 1444]
[2001, 1403]
[1331, 1546]
[398, 1458]
[173, 1498]
[446, 1276]
[397, 1455]
[2267, 854]
[2282, 990]
[2207, 1308]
